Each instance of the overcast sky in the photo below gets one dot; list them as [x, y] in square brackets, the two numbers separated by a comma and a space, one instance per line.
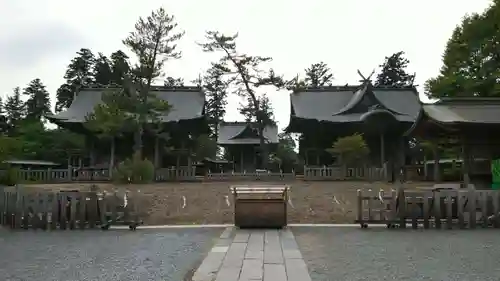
[38, 38]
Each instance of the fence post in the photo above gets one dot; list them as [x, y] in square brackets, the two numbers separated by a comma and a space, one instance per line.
[70, 173]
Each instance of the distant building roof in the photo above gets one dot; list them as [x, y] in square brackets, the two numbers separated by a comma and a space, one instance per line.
[31, 162]
[187, 103]
[449, 114]
[340, 104]
[464, 110]
[244, 133]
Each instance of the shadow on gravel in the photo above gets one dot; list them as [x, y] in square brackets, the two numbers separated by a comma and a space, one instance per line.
[162, 254]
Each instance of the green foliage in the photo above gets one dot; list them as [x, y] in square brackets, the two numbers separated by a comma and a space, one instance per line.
[206, 147]
[38, 100]
[79, 74]
[9, 176]
[394, 73]
[216, 91]
[318, 75]
[134, 171]
[15, 110]
[245, 74]
[285, 153]
[351, 149]
[109, 119]
[471, 61]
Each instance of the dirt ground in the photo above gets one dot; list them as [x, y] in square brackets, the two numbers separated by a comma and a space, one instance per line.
[207, 203]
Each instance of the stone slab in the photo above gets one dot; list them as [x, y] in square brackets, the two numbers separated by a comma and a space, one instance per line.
[254, 255]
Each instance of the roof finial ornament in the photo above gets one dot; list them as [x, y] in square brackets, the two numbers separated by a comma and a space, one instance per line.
[364, 79]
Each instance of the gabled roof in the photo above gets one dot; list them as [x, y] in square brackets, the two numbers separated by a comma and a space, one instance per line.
[341, 104]
[244, 133]
[187, 103]
[464, 110]
[448, 114]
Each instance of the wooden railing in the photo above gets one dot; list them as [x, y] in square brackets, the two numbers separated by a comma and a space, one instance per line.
[176, 174]
[21, 209]
[345, 173]
[462, 208]
[249, 176]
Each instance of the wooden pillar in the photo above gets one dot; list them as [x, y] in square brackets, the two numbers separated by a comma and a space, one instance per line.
[426, 167]
[241, 159]
[466, 163]
[91, 151]
[307, 156]
[382, 149]
[157, 152]
[437, 170]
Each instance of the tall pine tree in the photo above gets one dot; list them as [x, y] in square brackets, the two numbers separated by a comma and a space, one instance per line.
[38, 101]
[394, 72]
[14, 110]
[103, 74]
[78, 75]
[216, 91]
[120, 67]
[318, 75]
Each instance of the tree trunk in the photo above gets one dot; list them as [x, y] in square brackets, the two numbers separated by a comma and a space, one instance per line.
[263, 148]
[138, 140]
[112, 156]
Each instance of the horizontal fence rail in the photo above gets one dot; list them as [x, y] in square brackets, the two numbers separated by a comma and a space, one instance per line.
[462, 208]
[186, 173]
[51, 210]
[250, 176]
[345, 173]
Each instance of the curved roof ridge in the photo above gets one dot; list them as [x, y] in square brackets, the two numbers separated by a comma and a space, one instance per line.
[356, 98]
[241, 131]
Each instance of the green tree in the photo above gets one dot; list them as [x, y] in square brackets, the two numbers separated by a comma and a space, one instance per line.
[79, 74]
[38, 101]
[120, 67]
[246, 76]
[102, 71]
[205, 147]
[318, 75]
[173, 82]
[108, 121]
[394, 71]
[471, 60]
[153, 42]
[15, 110]
[351, 149]
[216, 91]
[285, 154]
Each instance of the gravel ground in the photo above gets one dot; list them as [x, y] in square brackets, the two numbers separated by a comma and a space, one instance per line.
[95, 255]
[379, 254]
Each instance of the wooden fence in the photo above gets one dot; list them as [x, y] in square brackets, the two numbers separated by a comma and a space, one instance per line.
[343, 173]
[463, 208]
[49, 210]
[250, 176]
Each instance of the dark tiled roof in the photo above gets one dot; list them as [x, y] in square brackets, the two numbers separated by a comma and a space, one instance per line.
[187, 103]
[334, 104]
[465, 110]
[231, 133]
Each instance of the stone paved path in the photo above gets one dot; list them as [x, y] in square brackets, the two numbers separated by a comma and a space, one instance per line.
[254, 255]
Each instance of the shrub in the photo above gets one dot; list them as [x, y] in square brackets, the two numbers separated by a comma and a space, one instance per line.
[135, 170]
[351, 149]
[9, 176]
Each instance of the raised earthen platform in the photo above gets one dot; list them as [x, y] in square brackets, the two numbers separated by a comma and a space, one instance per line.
[254, 255]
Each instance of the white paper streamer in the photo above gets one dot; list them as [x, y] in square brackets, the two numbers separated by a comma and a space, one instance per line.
[227, 200]
[183, 202]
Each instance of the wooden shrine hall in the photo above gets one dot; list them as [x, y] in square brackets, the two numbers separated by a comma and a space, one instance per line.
[381, 114]
[470, 123]
[241, 142]
[183, 121]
